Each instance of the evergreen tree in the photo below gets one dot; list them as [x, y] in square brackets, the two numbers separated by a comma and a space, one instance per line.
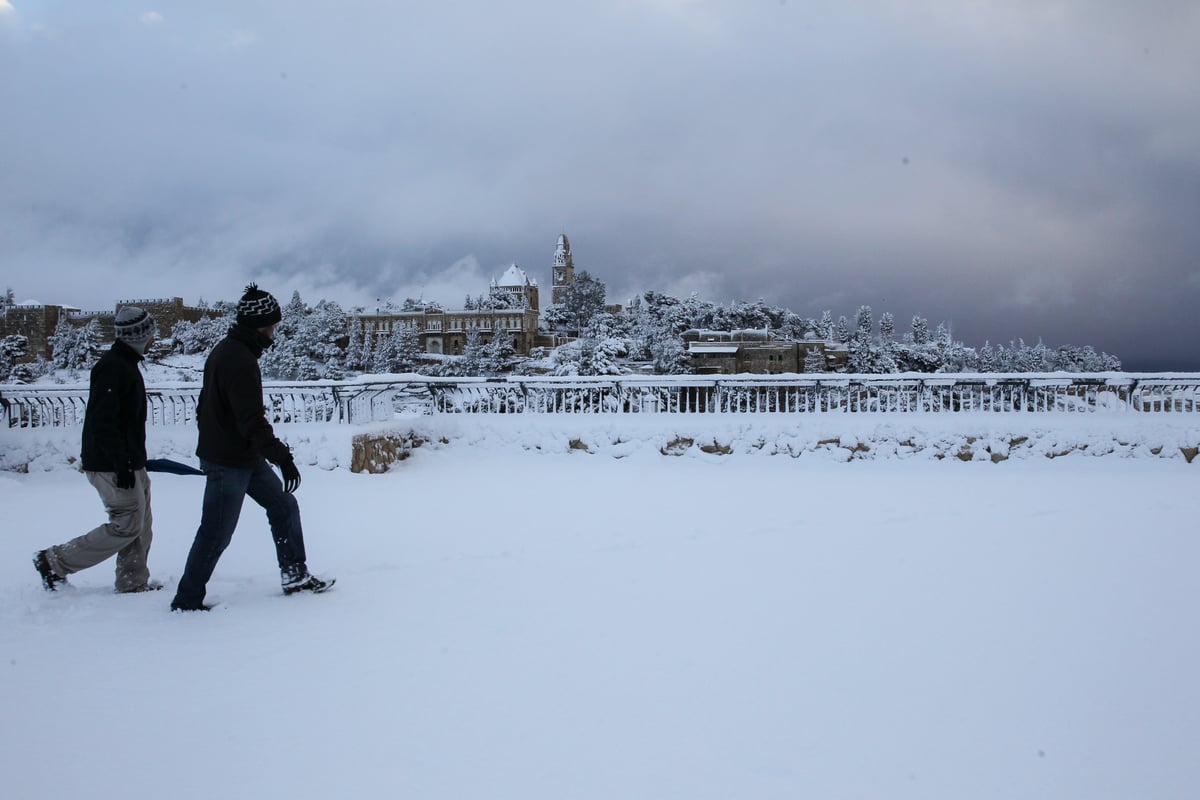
[324, 329]
[407, 348]
[202, 335]
[843, 330]
[814, 361]
[12, 349]
[383, 357]
[555, 318]
[886, 359]
[499, 352]
[825, 326]
[887, 328]
[920, 330]
[354, 344]
[864, 357]
[472, 357]
[367, 355]
[71, 347]
[987, 358]
[583, 299]
[669, 354]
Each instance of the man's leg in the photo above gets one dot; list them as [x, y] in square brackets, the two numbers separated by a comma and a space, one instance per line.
[283, 515]
[224, 491]
[126, 517]
[133, 571]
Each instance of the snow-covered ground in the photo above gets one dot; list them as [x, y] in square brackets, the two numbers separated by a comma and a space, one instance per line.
[515, 618]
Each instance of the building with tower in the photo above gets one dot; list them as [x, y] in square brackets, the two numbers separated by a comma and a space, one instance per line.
[522, 289]
[563, 270]
[512, 306]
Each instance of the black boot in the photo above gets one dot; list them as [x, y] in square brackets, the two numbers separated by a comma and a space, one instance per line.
[41, 562]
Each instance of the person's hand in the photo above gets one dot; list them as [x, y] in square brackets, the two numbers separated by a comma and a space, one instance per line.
[291, 475]
[125, 479]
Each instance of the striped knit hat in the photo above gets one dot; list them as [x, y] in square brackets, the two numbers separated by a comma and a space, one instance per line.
[134, 327]
[258, 309]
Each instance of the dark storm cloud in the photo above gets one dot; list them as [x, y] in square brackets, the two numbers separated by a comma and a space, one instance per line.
[1020, 169]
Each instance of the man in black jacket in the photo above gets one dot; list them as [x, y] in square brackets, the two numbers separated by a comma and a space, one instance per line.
[236, 442]
[114, 461]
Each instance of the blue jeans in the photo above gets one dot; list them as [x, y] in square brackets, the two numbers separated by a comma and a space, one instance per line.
[224, 491]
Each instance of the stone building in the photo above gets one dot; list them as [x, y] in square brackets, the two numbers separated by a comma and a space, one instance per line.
[37, 322]
[443, 332]
[755, 352]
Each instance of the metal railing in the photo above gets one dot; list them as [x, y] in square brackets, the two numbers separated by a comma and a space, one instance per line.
[355, 402]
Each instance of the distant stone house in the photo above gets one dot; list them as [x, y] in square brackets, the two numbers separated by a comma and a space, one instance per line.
[38, 322]
[35, 322]
[754, 352]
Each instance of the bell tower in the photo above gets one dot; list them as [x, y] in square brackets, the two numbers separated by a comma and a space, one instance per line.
[564, 270]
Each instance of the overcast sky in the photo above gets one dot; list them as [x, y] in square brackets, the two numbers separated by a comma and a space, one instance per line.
[1017, 168]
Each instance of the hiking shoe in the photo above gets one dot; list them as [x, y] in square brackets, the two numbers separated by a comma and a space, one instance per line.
[307, 583]
[177, 609]
[148, 586]
[41, 562]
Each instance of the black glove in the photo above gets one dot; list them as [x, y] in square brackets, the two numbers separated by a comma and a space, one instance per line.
[291, 475]
[125, 479]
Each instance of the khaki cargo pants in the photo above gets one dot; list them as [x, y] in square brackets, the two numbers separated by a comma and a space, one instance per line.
[127, 534]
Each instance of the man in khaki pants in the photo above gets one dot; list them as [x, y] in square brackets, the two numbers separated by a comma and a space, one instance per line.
[114, 461]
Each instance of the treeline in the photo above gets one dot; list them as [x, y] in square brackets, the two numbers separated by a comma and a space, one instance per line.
[324, 341]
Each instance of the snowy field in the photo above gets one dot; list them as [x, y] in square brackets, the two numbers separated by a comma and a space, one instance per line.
[514, 619]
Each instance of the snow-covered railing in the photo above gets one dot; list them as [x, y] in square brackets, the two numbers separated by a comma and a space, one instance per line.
[908, 393]
[176, 405]
[367, 399]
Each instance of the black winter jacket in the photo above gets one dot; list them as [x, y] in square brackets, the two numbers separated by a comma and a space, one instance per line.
[234, 431]
[114, 423]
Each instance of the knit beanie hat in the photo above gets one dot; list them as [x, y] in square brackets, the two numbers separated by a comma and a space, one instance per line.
[135, 327]
[258, 309]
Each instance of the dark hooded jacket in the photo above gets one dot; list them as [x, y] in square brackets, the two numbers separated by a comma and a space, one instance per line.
[114, 423]
[234, 431]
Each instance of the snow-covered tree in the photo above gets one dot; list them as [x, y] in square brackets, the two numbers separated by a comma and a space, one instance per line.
[499, 352]
[814, 360]
[383, 353]
[497, 298]
[842, 333]
[555, 318]
[354, 344]
[825, 326]
[472, 362]
[406, 348]
[920, 330]
[987, 358]
[669, 354]
[12, 349]
[72, 347]
[204, 334]
[583, 299]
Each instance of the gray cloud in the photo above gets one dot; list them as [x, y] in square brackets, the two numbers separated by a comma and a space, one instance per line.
[1020, 169]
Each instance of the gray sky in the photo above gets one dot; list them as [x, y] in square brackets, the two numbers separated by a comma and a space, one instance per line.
[1019, 169]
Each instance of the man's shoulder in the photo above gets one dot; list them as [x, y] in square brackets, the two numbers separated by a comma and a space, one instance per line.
[231, 355]
[110, 363]
[229, 348]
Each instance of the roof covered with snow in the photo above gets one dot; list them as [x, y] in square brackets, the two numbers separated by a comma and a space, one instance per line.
[515, 276]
